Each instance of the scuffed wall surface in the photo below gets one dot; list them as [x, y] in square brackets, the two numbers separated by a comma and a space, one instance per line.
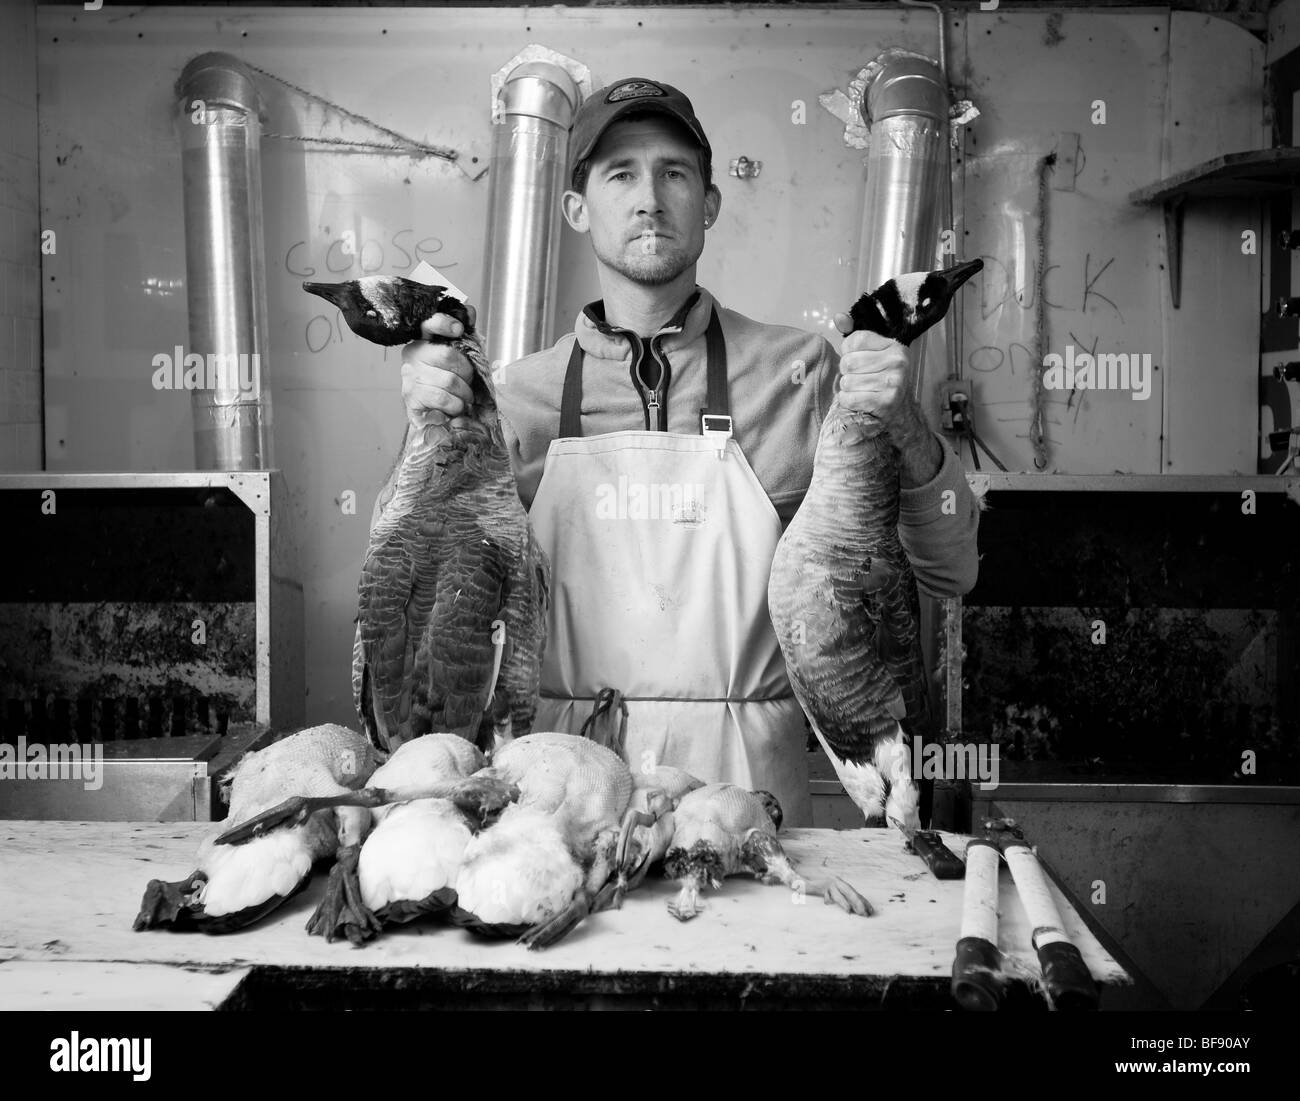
[783, 250]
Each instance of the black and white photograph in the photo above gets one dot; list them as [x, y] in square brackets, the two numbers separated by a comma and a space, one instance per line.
[767, 507]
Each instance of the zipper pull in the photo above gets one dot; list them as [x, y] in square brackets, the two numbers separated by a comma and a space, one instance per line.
[652, 407]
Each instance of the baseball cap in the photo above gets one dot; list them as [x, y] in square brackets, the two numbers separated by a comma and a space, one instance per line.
[604, 107]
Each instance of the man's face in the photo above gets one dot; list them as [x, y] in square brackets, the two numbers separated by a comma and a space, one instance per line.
[645, 202]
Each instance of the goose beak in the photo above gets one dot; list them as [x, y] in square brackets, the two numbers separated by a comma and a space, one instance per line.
[331, 292]
[956, 275]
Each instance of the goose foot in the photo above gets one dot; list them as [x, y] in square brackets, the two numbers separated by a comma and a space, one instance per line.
[341, 912]
[762, 854]
[170, 905]
[687, 904]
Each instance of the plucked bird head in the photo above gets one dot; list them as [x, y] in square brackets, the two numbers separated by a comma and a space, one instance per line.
[773, 807]
[902, 308]
[701, 863]
[388, 309]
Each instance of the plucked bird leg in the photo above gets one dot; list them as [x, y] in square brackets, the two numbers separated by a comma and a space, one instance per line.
[546, 933]
[762, 854]
[477, 796]
[631, 859]
[342, 911]
[170, 903]
[686, 903]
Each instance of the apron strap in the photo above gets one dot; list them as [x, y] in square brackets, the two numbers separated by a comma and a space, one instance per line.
[716, 349]
[571, 399]
[717, 398]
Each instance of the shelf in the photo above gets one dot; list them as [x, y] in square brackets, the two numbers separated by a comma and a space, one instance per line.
[1233, 175]
[1252, 174]
[1138, 483]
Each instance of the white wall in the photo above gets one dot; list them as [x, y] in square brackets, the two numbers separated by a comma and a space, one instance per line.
[783, 251]
[20, 303]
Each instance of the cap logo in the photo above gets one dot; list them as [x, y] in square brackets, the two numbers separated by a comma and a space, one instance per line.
[634, 89]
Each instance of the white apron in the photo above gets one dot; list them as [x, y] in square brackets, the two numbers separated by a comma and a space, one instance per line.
[660, 554]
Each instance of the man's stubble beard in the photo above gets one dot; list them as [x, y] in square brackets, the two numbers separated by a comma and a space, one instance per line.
[649, 269]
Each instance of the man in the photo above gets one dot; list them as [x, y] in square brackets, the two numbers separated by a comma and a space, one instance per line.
[661, 535]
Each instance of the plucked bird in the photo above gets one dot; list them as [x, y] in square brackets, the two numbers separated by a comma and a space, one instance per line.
[408, 862]
[538, 871]
[451, 619]
[655, 795]
[842, 595]
[721, 830]
[234, 887]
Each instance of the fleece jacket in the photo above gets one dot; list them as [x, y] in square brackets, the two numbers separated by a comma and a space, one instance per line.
[781, 382]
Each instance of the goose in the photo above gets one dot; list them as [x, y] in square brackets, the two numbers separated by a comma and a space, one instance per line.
[407, 867]
[842, 596]
[232, 888]
[408, 863]
[536, 873]
[721, 830]
[451, 619]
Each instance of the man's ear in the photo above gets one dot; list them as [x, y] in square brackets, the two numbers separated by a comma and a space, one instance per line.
[712, 203]
[575, 210]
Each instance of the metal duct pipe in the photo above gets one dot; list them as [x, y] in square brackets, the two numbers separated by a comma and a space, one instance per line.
[219, 118]
[530, 145]
[905, 102]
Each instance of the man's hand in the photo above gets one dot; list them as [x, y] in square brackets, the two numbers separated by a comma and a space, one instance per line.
[435, 376]
[873, 380]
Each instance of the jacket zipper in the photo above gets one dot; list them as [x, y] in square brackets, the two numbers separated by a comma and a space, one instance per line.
[652, 401]
[663, 377]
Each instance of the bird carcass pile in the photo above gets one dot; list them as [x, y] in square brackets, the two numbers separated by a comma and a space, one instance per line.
[309, 784]
[450, 633]
[842, 595]
[556, 828]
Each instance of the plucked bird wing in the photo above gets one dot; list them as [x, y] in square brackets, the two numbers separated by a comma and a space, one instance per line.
[673, 782]
[319, 761]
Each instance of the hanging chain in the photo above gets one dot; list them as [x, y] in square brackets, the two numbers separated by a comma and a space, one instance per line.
[403, 145]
